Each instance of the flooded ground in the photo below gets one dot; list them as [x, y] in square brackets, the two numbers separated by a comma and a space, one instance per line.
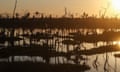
[95, 48]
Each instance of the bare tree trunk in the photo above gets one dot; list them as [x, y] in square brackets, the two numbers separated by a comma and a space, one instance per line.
[14, 8]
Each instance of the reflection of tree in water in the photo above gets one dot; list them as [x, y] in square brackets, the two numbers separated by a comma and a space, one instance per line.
[76, 49]
[96, 63]
[115, 65]
[107, 66]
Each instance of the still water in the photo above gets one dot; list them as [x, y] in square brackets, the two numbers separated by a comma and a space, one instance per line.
[98, 62]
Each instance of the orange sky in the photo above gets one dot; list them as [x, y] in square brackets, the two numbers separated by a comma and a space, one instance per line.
[56, 7]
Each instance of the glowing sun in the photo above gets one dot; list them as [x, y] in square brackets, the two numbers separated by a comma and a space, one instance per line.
[116, 4]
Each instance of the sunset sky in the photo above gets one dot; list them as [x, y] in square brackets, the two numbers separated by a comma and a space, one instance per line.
[56, 7]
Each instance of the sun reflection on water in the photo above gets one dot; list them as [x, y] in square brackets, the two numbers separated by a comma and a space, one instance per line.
[116, 43]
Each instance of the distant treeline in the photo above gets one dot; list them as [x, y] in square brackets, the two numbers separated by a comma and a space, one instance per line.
[59, 23]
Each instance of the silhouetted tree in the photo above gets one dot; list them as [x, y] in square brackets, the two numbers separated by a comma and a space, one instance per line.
[65, 12]
[71, 15]
[37, 14]
[50, 16]
[7, 15]
[14, 8]
[103, 12]
[42, 15]
[0, 16]
[27, 15]
[17, 15]
[84, 15]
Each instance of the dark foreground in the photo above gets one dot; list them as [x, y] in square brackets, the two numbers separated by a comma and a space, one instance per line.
[41, 67]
